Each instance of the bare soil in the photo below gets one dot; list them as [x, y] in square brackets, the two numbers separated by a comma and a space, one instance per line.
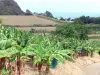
[94, 35]
[93, 69]
[69, 68]
[37, 28]
[25, 20]
[66, 69]
[95, 39]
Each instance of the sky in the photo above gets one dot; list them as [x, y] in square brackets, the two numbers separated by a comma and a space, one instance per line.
[61, 6]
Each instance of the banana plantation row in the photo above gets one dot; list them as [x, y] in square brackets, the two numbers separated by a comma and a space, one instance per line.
[20, 47]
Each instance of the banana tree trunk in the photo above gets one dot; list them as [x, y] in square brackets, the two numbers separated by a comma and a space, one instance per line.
[20, 66]
[47, 70]
[8, 65]
[0, 64]
[39, 68]
[91, 53]
[14, 67]
[5, 63]
[32, 58]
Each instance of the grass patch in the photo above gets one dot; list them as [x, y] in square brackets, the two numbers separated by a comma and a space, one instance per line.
[34, 25]
[53, 19]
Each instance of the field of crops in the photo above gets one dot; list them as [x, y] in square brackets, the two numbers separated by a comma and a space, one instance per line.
[95, 31]
[42, 51]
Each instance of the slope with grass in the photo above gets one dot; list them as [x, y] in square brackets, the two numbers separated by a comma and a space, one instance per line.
[53, 19]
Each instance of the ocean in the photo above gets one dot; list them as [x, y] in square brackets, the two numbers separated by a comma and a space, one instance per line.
[75, 14]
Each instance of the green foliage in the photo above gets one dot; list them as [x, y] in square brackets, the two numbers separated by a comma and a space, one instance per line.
[94, 28]
[17, 45]
[48, 14]
[89, 20]
[53, 19]
[4, 72]
[70, 30]
[0, 21]
[44, 50]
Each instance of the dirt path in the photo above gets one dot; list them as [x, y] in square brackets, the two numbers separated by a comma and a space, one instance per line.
[87, 65]
[93, 69]
[37, 28]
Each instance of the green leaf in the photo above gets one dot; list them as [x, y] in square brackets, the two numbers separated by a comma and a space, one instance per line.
[4, 71]
[69, 58]
[24, 58]
[59, 57]
[12, 59]
[37, 60]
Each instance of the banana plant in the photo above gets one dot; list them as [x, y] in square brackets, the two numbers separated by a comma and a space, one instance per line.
[7, 50]
[20, 39]
[46, 52]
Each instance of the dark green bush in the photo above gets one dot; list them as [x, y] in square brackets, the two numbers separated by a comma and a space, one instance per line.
[73, 30]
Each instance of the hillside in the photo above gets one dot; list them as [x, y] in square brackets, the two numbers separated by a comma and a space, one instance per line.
[10, 11]
[10, 7]
[25, 20]
[53, 19]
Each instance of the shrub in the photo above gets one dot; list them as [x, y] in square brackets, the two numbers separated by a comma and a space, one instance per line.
[70, 30]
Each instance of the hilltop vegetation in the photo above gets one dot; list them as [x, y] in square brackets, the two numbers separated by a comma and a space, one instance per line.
[89, 20]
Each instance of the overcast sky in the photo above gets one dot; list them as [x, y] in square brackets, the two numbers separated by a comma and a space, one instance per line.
[60, 5]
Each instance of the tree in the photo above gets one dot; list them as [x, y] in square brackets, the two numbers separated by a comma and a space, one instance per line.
[73, 30]
[28, 12]
[48, 14]
[69, 19]
[35, 13]
[61, 18]
[88, 19]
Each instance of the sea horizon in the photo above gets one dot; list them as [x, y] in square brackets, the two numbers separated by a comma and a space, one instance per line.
[75, 14]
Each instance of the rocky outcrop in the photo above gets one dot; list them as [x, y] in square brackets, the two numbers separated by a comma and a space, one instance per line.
[10, 7]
